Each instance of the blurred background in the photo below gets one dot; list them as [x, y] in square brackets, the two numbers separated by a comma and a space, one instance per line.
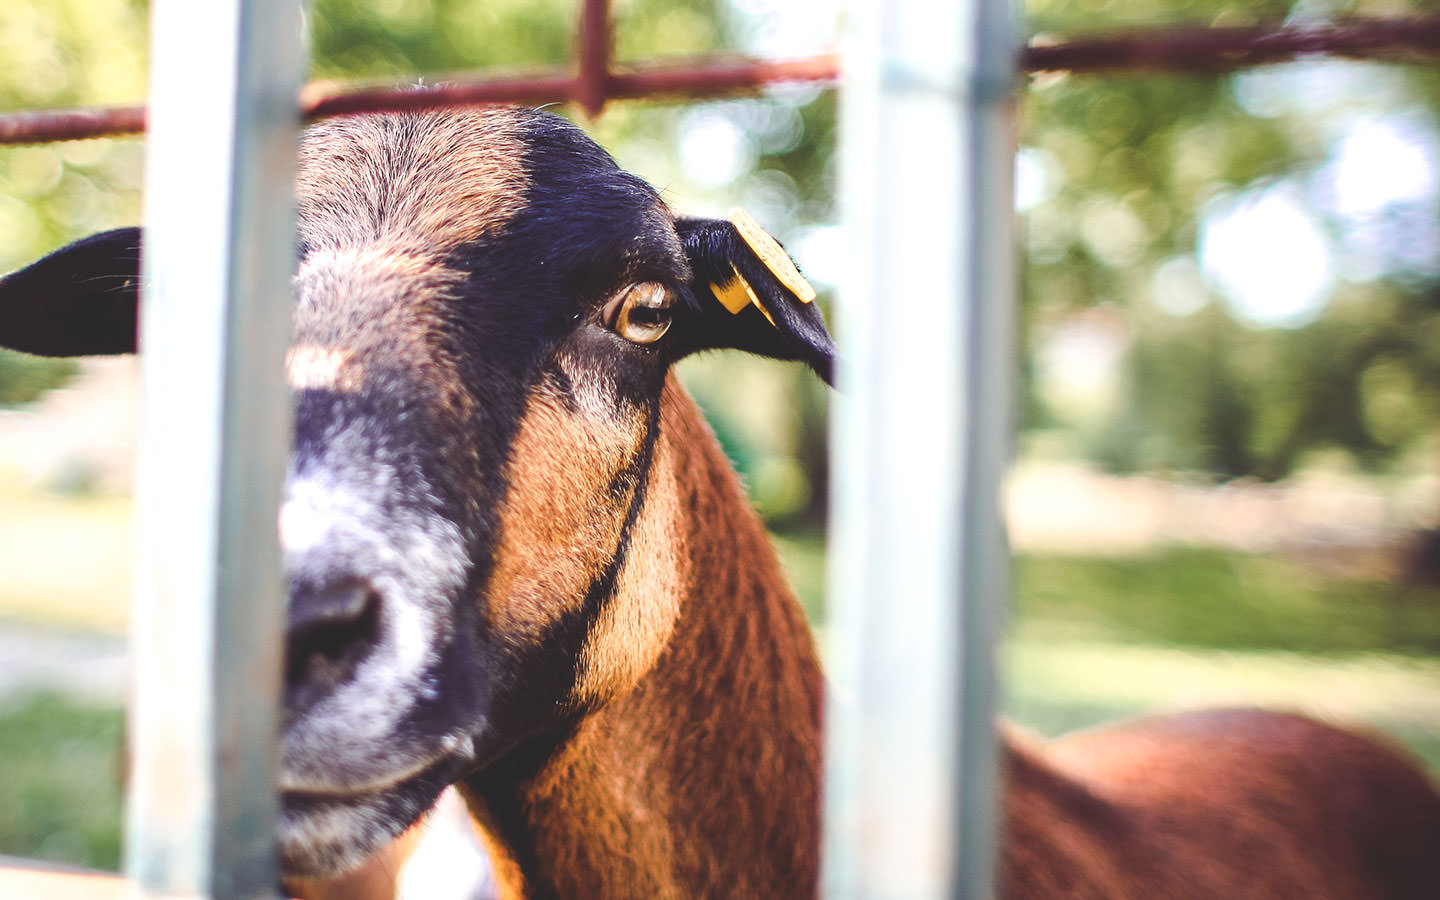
[1226, 486]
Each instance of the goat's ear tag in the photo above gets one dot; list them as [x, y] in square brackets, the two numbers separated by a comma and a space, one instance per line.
[734, 264]
[736, 294]
[772, 255]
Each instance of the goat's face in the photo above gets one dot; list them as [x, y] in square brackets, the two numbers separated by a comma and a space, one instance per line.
[472, 432]
[486, 310]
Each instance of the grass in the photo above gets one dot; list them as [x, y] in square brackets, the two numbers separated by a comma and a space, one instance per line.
[66, 566]
[1059, 686]
[60, 796]
[1094, 639]
[1220, 600]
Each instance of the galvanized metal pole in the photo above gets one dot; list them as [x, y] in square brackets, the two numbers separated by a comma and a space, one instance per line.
[921, 437]
[209, 604]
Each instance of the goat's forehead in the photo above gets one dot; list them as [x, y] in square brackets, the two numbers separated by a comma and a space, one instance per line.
[431, 179]
[443, 180]
[473, 243]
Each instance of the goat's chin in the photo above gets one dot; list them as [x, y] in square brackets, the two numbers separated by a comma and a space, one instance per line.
[323, 836]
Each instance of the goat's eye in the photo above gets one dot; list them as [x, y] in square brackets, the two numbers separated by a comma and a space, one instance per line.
[641, 313]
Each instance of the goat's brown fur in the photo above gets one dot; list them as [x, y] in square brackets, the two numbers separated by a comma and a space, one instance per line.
[1234, 804]
[421, 184]
[714, 756]
[702, 781]
[554, 537]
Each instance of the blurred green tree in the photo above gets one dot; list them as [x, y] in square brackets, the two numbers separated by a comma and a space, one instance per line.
[1132, 177]
[1129, 168]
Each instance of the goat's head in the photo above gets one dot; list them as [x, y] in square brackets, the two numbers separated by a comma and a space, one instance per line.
[486, 309]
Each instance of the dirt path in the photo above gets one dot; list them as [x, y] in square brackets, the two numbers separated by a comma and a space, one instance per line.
[89, 667]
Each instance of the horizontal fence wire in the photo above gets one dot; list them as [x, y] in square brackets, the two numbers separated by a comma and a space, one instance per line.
[1220, 49]
[593, 82]
[704, 78]
[710, 78]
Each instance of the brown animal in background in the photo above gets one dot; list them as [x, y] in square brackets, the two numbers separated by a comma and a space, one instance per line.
[1233, 803]
[519, 562]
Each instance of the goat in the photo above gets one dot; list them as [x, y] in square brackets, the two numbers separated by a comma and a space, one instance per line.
[520, 563]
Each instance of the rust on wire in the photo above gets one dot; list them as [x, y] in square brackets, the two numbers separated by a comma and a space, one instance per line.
[1220, 49]
[533, 88]
[41, 126]
[594, 81]
[719, 77]
[698, 78]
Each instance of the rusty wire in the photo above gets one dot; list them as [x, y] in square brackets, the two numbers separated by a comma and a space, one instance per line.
[594, 80]
[1220, 49]
[702, 78]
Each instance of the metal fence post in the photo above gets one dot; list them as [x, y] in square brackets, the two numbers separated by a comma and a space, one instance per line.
[921, 436]
[209, 607]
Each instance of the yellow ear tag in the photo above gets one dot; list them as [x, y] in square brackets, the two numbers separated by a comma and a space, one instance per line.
[772, 255]
[736, 294]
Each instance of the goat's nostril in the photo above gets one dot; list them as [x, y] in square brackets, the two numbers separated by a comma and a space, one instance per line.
[332, 629]
[338, 602]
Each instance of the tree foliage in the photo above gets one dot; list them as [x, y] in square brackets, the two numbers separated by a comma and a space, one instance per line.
[1131, 168]
[65, 53]
[1137, 167]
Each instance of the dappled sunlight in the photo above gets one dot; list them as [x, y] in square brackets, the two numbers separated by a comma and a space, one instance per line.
[1268, 256]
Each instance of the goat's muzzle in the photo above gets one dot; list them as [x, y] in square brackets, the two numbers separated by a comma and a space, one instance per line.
[382, 698]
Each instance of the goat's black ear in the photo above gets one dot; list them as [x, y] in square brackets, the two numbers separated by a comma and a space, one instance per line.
[78, 301]
[749, 296]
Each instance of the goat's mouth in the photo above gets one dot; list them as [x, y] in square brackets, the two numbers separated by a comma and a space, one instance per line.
[328, 830]
[454, 749]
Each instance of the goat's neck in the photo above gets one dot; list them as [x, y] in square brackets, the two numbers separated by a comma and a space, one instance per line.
[704, 780]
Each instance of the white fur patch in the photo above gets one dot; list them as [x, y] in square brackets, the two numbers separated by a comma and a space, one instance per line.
[448, 863]
[414, 559]
[301, 526]
[314, 368]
